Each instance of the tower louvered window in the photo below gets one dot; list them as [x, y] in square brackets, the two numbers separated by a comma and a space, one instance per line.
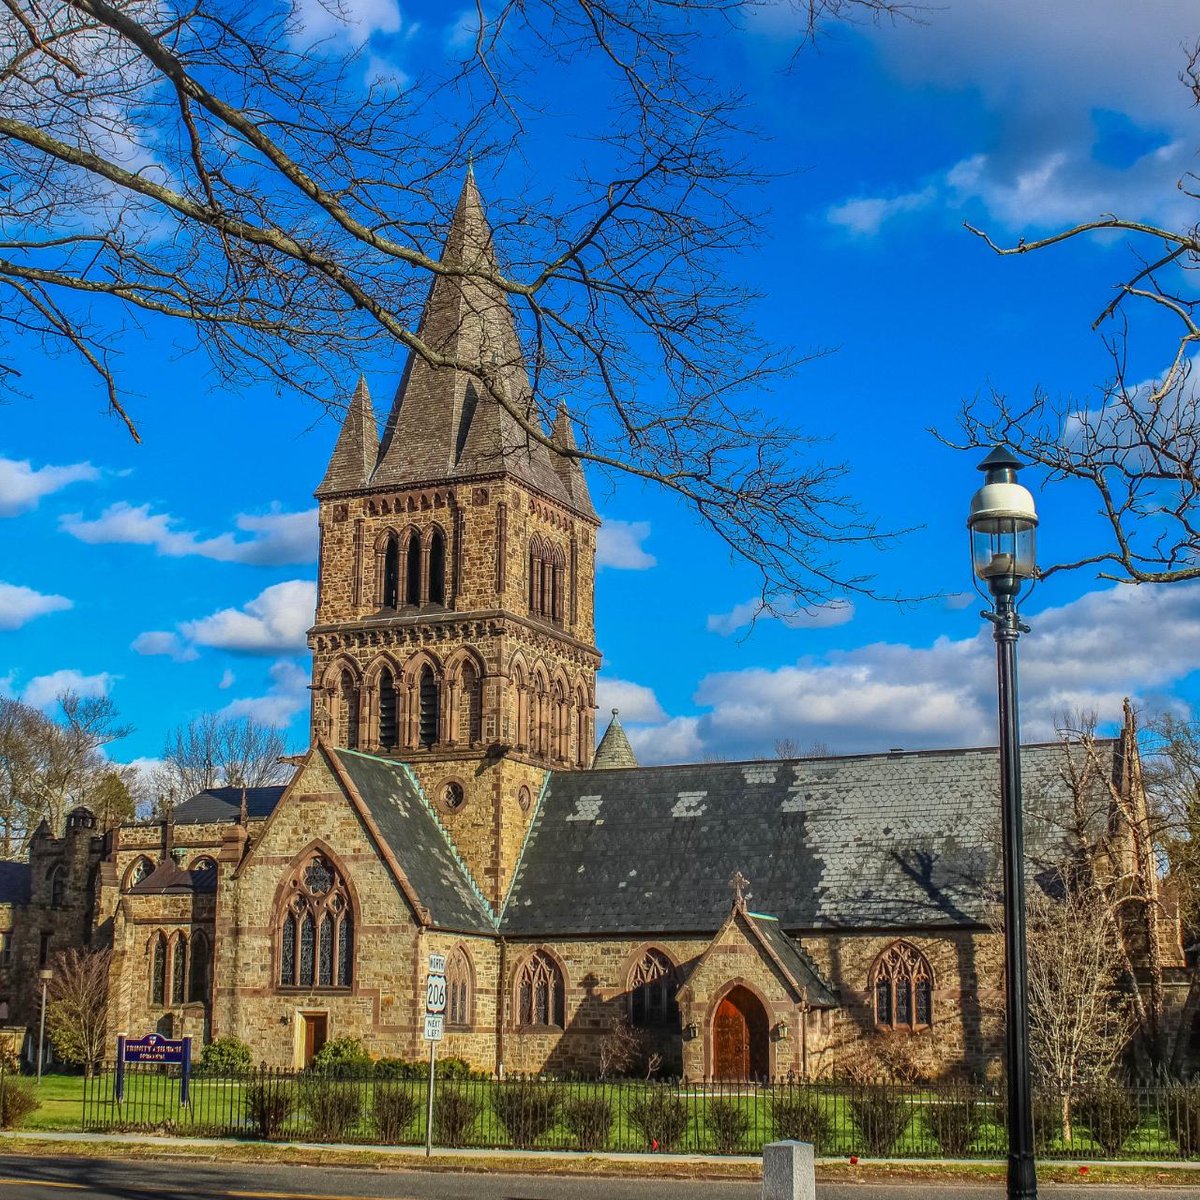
[902, 988]
[316, 929]
[437, 567]
[428, 694]
[387, 710]
[391, 574]
[347, 711]
[412, 582]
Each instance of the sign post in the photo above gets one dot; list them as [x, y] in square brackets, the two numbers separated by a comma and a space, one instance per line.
[435, 1008]
[154, 1048]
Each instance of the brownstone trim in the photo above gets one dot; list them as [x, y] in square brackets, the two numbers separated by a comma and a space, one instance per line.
[710, 1012]
[873, 978]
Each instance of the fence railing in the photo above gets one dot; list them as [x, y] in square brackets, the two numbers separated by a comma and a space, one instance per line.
[721, 1117]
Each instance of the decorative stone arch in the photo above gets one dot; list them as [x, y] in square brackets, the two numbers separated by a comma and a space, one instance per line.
[286, 888]
[901, 984]
[434, 547]
[629, 980]
[761, 1047]
[136, 872]
[342, 687]
[382, 703]
[581, 721]
[465, 674]
[386, 552]
[539, 710]
[520, 680]
[526, 968]
[426, 720]
[460, 988]
[560, 716]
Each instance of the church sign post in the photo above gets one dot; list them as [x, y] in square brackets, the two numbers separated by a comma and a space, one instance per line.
[435, 1021]
[154, 1048]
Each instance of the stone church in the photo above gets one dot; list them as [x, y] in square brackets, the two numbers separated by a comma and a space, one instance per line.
[749, 919]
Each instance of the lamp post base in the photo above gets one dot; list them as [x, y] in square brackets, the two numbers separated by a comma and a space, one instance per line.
[1022, 1177]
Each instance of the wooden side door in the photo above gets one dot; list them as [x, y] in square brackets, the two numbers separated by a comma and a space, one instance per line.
[731, 1042]
[316, 1030]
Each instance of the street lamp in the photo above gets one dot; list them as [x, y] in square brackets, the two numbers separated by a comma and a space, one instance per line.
[1002, 523]
[45, 975]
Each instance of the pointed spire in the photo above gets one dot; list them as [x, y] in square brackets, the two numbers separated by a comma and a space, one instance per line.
[569, 469]
[357, 446]
[614, 750]
[447, 423]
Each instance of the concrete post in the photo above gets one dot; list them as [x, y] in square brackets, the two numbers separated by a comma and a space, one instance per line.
[789, 1172]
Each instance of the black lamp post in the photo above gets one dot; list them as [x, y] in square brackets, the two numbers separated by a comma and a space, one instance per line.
[1002, 523]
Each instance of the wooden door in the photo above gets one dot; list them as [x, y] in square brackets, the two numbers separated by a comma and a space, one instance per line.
[315, 1033]
[739, 1037]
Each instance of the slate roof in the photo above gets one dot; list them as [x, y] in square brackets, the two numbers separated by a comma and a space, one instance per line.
[420, 844]
[15, 883]
[356, 449]
[873, 841]
[168, 878]
[614, 749]
[225, 804]
[795, 961]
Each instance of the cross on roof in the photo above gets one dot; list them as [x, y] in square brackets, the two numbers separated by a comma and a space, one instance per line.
[739, 883]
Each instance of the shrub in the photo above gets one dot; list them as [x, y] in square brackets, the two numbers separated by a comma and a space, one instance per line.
[589, 1120]
[454, 1068]
[796, 1116]
[1111, 1115]
[526, 1108]
[225, 1056]
[881, 1113]
[17, 1100]
[333, 1108]
[393, 1108]
[728, 1123]
[454, 1115]
[1181, 1115]
[954, 1122]
[345, 1057]
[660, 1117]
[1047, 1120]
[269, 1103]
[400, 1068]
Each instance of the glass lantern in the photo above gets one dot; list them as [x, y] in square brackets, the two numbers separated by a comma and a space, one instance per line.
[1003, 523]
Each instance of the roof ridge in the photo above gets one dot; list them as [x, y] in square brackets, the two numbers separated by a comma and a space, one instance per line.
[537, 812]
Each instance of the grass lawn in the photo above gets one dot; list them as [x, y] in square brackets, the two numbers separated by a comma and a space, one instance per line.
[62, 1103]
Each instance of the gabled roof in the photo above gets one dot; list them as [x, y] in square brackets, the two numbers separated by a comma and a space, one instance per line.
[445, 423]
[614, 750]
[793, 960]
[873, 841]
[15, 883]
[418, 842]
[225, 804]
[357, 447]
[169, 878]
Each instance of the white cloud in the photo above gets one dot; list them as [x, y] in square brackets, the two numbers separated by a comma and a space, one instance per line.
[227, 679]
[349, 22]
[619, 545]
[817, 616]
[286, 696]
[636, 702]
[463, 33]
[21, 604]
[21, 486]
[865, 215]
[1088, 654]
[43, 690]
[275, 621]
[161, 641]
[276, 538]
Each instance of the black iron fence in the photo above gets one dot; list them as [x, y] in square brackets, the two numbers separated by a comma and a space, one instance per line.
[875, 1120]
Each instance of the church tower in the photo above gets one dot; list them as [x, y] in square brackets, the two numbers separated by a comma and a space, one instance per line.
[454, 626]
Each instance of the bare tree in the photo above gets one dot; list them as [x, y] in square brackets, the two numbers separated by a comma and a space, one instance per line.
[221, 169]
[210, 752]
[1137, 448]
[77, 1006]
[1078, 1012]
[788, 747]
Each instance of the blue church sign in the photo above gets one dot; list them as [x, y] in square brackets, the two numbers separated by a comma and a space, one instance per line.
[154, 1048]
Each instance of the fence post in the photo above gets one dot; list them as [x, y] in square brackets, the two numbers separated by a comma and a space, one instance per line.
[429, 1101]
[185, 1071]
[120, 1084]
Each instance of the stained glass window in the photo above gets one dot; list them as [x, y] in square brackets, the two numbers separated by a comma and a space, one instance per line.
[652, 988]
[319, 877]
[903, 986]
[327, 950]
[346, 950]
[458, 989]
[540, 991]
[178, 970]
[158, 971]
[308, 941]
[287, 957]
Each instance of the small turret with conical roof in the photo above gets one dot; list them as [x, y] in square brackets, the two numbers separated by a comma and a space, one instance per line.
[562, 435]
[614, 749]
[357, 447]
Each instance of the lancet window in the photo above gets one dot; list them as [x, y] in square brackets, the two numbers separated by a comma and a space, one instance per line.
[459, 993]
[652, 987]
[198, 973]
[902, 988]
[428, 695]
[179, 954]
[540, 992]
[58, 886]
[316, 929]
[547, 580]
[158, 969]
[346, 709]
[387, 709]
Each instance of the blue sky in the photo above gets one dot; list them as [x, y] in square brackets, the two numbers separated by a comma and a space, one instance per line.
[177, 575]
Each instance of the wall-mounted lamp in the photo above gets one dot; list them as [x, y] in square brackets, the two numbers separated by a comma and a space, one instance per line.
[691, 1031]
[781, 1031]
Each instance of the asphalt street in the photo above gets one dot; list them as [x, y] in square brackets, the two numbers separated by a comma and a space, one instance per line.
[23, 1178]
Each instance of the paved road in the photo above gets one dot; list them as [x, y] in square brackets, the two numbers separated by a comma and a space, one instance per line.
[107, 1179]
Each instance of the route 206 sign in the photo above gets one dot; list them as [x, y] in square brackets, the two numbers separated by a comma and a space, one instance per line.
[435, 998]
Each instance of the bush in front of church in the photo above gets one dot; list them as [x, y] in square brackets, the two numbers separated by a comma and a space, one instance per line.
[589, 1121]
[269, 1103]
[344, 1057]
[728, 1122]
[225, 1056]
[798, 1116]
[454, 1115]
[333, 1107]
[527, 1108]
[393, 1106]
[17, 1100]
[660, 1117]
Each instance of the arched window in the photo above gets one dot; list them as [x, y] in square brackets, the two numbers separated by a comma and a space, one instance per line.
[203, 866]
[428, 699]
[559, 723]
[346, 733]
[58, 886]
[581, 730]
[391, 573]
[547, 580]
[522, 689]
[412, 581]
[539, 717]
[158, 969]
[437, 567]
[460, 999]
[470, 706]
[179, 948]
[198, 976]
[387, 709]
[140, 870]
[540, 992]
[652, 987]
[902, 988]
[316, 929]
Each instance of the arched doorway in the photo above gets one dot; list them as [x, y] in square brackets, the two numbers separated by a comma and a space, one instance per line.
[740, 1036]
